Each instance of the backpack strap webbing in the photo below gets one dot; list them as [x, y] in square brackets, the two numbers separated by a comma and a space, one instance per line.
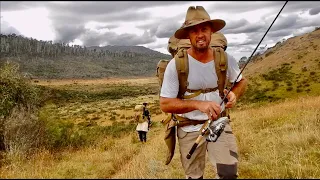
[198, 92]
[182, 66]
[221, 66]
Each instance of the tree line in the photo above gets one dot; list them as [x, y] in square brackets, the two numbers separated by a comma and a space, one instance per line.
[13, 45]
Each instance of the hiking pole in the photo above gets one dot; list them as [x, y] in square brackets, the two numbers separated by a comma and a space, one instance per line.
[207, 125]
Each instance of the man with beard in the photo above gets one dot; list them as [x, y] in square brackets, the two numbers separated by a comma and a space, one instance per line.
[198, 28]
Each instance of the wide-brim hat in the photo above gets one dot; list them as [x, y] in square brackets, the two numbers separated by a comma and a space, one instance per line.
[197, 15]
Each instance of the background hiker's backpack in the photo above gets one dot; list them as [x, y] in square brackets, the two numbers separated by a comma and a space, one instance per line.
[177, 48]
[138, 116]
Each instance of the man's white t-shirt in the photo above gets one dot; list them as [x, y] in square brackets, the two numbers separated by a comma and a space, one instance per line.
[201, 76]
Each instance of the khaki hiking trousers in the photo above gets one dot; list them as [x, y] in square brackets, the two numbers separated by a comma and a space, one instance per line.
[222, 154]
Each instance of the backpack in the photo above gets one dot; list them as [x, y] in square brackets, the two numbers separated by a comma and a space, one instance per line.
[178, 49]
[139, 116]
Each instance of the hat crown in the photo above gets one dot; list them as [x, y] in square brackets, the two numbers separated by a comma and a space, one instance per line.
[196, 13]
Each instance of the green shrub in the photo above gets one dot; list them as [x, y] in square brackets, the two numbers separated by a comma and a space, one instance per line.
[117, 129]
[14, 90]
[289, 83]
[18, 108]
[269, 53]
[285, 64]
[112, 118]
[289, 88]
[280, 74]
[23, 132]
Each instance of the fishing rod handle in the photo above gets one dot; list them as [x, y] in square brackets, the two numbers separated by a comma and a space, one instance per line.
[194, 147]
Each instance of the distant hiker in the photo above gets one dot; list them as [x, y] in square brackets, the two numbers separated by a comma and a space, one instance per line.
[200, 95]
[142, 126]
[146, 114]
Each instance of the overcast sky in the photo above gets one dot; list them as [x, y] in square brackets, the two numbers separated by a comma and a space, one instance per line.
[151, 23]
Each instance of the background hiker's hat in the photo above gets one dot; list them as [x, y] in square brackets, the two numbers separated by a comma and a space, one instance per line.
[138, 107]
[197, 15]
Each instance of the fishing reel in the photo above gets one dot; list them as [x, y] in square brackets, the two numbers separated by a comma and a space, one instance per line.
[216, 128]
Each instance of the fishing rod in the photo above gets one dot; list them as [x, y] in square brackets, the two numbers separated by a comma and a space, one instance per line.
[224, 98]
[220, 123]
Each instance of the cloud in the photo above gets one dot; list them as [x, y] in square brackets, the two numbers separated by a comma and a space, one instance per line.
[241, 26]
[92, 38]
[158, 46]
[68, 33]
[6, 28]
[285, 22]
[85, 7]
[285, 25]
[300, 5]
[108, 26]
[314, 11]
[107, 11]
[68, 18]
[243, 6]
[166, 30]
[292, 6]
[163, 28]
[280, 33]
[20, 5]
[298, 32]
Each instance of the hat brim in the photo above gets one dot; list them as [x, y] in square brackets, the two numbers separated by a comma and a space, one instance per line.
[217, 24]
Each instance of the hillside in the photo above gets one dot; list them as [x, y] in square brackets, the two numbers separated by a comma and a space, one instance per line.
[290, 68]
[44, 59]
[300, 50]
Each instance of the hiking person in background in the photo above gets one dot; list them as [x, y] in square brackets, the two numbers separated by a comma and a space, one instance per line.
[142, 126]
[223, 154]
[146, 114]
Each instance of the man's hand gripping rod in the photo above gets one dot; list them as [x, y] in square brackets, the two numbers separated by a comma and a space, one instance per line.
[219, 124]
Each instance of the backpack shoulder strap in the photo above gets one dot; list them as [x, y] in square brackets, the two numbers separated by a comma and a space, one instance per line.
[182, 67]
[221, 66]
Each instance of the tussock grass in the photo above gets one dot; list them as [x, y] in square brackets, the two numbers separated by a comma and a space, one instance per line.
[279, 140]
[93, 162]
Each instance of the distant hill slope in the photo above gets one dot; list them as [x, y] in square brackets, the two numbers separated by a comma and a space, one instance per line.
[290, 68]
[132, 49]
[44, 59]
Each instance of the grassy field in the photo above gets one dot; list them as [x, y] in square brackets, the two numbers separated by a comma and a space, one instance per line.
[93, 136]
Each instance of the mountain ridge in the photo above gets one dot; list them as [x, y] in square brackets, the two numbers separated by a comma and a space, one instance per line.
[44, 59]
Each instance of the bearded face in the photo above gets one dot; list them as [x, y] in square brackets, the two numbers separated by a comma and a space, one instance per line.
[200, 36]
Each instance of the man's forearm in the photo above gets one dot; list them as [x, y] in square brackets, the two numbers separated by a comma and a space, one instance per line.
[240, 87]
[178, 106]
